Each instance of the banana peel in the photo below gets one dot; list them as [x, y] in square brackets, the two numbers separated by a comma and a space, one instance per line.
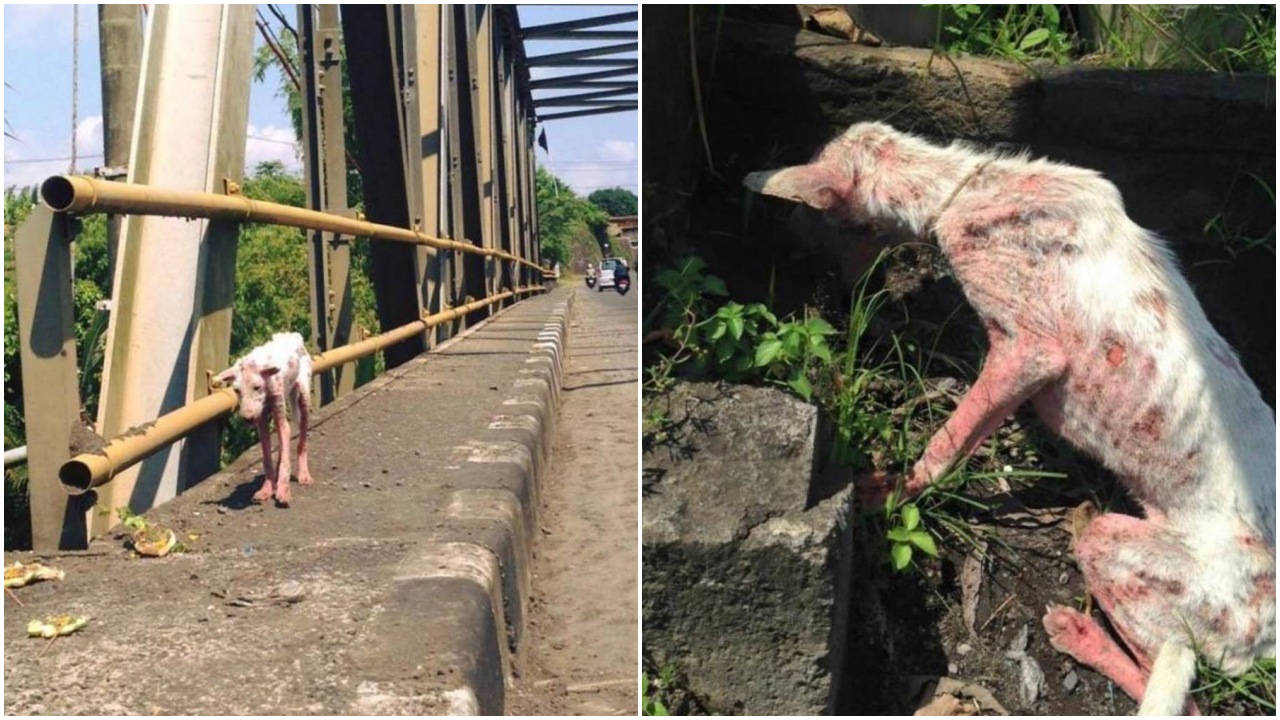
[18, 574]
[154, 541]
[56, 625]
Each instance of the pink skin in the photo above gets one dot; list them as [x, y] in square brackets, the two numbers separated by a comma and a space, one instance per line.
[264, 388]
[1013, 232]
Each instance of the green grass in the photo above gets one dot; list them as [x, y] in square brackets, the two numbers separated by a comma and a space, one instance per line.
[1211, 38]
[1255, 689]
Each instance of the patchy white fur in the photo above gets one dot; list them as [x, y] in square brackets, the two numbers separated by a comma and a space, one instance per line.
[268, 377]
[873, 172]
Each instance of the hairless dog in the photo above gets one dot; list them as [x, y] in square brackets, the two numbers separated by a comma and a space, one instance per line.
[265, 378]
[1089, 318]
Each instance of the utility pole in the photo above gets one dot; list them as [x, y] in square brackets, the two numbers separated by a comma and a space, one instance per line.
[120, 47]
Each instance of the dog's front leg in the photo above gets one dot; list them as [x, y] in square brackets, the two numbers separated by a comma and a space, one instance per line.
[1015, 369]
[268, 473]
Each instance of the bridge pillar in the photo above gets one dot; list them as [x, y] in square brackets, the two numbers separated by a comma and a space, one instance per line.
[175, 279]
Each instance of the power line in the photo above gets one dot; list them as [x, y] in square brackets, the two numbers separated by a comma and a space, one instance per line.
[53, 159]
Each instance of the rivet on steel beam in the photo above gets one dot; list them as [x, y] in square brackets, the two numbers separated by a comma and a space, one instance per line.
[230, 187]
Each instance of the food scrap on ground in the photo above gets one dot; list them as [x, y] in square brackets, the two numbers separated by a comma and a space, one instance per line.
[56, 625]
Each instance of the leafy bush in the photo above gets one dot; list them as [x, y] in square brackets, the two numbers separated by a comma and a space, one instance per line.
[569, 226]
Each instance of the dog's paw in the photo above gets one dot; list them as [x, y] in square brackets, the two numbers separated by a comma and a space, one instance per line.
[264, 493]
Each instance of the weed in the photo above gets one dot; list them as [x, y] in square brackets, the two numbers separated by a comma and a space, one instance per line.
[651, 690]
[1016, 32]
[1234, 240]
[906, 535]
[1256, 688]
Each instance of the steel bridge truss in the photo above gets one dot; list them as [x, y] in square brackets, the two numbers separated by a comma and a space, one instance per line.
[444, 114]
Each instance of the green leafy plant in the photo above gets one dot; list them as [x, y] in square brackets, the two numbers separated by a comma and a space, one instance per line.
[1016, 32]
[730, 338]
[906, 535]
[787, 354]
[651, 690]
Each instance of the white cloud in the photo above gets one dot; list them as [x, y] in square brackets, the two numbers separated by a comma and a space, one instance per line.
[89, 139]
[271, 143]
[619, 150]
[612, 163]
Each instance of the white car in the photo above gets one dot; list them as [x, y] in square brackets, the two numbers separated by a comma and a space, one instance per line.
[604, 274]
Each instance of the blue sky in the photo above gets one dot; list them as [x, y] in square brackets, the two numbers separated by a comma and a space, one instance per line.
[588, 153]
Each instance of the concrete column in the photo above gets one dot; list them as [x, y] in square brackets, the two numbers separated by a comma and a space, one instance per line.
[175, 278]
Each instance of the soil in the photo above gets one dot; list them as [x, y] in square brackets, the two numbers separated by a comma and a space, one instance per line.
[584, 621]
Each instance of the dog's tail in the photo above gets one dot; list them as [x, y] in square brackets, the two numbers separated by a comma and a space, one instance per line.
[1170, 681]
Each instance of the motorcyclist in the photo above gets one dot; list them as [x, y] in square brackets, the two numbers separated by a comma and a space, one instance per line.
[620, 270]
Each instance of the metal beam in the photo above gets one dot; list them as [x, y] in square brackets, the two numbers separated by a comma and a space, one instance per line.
[597, 85]
[373, 65]
[551, 82]
[582, 113]
[584, 35]
[585, 98]
[591, 22]
[50, 382]
[584, 53]
[589, 62]
[424, 127]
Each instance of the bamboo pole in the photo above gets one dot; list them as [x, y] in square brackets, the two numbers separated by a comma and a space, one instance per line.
[83, 194]
[89, 470]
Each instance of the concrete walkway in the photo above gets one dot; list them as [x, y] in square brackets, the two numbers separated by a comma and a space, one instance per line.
[397, 584]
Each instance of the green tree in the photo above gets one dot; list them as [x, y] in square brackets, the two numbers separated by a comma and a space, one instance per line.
[265, 58]
[570, 227]
[616, 201]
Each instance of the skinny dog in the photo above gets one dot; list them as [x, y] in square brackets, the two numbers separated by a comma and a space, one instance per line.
[264, 378]
[1089, 318]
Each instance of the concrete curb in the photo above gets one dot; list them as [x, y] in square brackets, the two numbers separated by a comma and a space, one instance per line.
[471, 580]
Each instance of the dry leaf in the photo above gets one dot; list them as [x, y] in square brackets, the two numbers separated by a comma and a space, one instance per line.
[971, 576]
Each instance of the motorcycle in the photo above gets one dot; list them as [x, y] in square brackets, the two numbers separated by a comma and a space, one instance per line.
[622, 285]
[591, 281]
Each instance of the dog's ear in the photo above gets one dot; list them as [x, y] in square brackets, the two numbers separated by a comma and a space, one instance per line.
[228, 378]
[817, 185]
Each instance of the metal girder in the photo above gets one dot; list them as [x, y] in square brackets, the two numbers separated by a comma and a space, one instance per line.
[569, 80]
[593, 111]
[424, 127]
[585, 35]
[468, 29]
[597, 85]
[175, 280]
[50, 381]
[555, 58]
[325, 167]
[372, 38]
[591, 98]
[589, 62]
[599, 20]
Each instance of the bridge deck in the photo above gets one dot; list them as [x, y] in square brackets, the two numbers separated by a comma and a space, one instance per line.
[418, 501]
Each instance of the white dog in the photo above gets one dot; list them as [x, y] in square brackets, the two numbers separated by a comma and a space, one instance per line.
[1089, 319]
[264, 378]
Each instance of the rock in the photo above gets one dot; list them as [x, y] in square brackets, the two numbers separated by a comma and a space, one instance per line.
[1030, 680]
[963, 649]
[747, 552]
[1070, 682]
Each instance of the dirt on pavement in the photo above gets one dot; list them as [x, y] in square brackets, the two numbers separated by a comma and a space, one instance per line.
[582, 656]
